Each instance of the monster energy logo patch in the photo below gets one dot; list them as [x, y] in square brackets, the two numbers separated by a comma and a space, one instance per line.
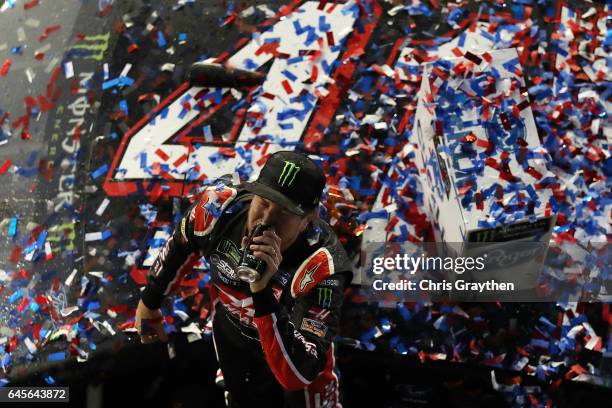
[229, 249]
[91, 47]
[288, 174]
[324, 297]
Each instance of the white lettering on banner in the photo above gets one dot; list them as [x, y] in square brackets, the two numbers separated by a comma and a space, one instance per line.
[71, 143]
[284, 115]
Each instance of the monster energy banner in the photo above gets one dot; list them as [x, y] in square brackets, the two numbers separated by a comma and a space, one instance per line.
[70, 126]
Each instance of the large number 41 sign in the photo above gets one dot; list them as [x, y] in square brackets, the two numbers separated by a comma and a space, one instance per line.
[312, 46]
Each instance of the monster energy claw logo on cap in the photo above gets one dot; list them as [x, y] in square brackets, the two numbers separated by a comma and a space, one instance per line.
[289, 169]
[290, 179]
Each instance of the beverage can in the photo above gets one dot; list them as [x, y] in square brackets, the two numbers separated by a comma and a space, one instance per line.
[251, 268]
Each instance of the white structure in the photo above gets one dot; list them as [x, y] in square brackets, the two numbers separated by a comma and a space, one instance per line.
[481, 164]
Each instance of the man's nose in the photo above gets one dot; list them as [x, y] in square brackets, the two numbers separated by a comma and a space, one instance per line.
[269, 216]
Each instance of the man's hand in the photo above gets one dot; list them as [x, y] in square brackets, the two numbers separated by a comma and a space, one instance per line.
[267, 248]
[150, 324]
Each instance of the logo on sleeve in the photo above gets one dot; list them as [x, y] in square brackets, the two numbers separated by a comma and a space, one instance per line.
[307, 278]
[314, 327]
[316, 268]
[209, 208]
[324, 297]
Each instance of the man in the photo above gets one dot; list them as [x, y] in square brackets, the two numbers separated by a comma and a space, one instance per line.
[273, 337]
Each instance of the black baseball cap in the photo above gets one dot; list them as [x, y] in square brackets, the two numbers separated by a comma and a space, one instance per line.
[290, 179]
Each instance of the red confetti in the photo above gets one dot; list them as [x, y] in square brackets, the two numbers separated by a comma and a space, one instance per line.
[505, 121]
[44, 103]
[359, 230]
[287, 86]
[52, 80]
[49, 30]
[180, 160]
[77, 132]
[106, 10]
[457, 52]
[491, 162]
[227, 151]
[330, 39]
[24, 303]
[479, 201]
[507, 176]
[74, 86]
[5, 67]
[5, 166]
[15, 254]
[465, 188]
[262, 160]
[119, 308]
[138, 275]
[156, 193]
[162, 154]
[269, 48]
[31, 4]
[440, 74]
[523, 105]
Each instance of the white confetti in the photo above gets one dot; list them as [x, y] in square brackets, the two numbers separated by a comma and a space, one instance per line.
[67, 311]
[93, 236]
[32, 22]
[171, 351]
[126, 69]
[30, 74]
[70, 278]
[108, 327]
[52, 64]
[102, 207]
[30, 345]
[21, 35]
[68, 70]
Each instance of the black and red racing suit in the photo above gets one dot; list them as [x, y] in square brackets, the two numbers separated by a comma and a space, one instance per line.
[274, 347]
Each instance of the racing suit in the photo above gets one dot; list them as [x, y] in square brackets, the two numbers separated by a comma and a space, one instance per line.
[274, 347]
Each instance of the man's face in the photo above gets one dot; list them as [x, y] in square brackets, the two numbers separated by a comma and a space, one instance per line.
[287, 225]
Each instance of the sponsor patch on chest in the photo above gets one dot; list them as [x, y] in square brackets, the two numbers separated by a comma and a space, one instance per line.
[224, 267]
[314, 327]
